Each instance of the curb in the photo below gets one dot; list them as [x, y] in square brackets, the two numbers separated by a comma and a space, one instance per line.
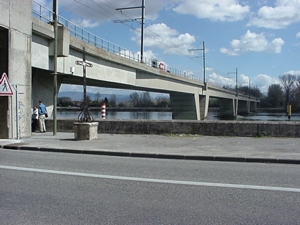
[157, 156]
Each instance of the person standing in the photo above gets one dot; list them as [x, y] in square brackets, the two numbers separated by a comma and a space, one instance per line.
[35, 117]
[42, 112]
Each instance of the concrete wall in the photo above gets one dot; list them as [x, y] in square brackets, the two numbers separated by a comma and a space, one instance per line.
[15, 17]
[210, 128]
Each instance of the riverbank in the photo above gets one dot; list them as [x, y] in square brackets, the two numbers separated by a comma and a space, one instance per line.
[120, 109]
[207, 128]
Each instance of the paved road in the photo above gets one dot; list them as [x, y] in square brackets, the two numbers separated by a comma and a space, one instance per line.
[59, 188]
[242, 149]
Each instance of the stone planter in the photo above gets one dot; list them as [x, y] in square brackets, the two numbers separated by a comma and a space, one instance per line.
[85, 130]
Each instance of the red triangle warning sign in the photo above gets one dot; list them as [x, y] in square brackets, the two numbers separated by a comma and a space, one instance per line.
[5, 88]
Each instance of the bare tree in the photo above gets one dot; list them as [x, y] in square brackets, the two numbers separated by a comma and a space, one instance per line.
[97, 95]
[298, 83]
[288, 82]
[113, 100]
[275, 95]
[162, 101]
[146, 99]
[134, 97]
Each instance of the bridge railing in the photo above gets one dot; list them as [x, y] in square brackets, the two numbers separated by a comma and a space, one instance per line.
[45, 14]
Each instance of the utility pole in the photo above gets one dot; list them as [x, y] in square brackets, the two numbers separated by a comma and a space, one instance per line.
[236, 89]
[55, 18]
[249, 88]
[203, 49]
[236, 80]
[142, 25]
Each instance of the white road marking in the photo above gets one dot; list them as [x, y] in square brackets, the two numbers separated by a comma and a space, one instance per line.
[140, 179]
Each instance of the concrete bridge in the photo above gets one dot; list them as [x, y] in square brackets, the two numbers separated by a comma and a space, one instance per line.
[29, 37]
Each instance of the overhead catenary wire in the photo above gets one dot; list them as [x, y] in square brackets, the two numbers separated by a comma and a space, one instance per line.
[68, 7]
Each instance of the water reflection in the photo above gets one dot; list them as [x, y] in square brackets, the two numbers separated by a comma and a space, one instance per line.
[143, 115]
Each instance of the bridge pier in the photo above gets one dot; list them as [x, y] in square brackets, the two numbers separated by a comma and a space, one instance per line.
[253, 106]
[185, 106]
[244, 108]
[42, 88]
[228, 108]
[204, 102]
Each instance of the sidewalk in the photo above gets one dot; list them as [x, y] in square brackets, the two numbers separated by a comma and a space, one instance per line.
[188, 147]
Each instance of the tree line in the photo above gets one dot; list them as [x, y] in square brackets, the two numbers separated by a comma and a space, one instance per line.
[136, 99]
[285, 93]
[278, 96]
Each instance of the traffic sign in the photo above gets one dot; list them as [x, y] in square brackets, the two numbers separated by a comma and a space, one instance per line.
[5, 88]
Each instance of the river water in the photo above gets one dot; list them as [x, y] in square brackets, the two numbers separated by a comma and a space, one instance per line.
[143, 115]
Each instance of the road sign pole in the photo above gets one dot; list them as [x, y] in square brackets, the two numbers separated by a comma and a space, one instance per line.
[17, 111]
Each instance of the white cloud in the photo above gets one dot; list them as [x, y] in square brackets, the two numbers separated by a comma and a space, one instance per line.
[149, 54]
[263, 81]
[284, 13]
[275, 45]
[84, 23]
[244, 80]
[253, 42]
[298, 35]
[130, 55]
[225, 10]
[163, 37]
[218, 80]
[293, 72]
[209, 69]
[228, 81]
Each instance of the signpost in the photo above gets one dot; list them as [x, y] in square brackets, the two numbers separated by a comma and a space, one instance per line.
[6, 90]
[5, 87]
[85, 115]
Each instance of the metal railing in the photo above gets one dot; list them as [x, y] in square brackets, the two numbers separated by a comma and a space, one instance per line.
[45, 14]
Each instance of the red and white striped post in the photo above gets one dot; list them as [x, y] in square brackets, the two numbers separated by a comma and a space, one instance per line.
[103, 110]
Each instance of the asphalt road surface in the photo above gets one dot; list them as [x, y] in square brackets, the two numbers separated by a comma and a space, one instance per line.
[58, 188]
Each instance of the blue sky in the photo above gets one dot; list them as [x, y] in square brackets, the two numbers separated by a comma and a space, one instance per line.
[261, 38]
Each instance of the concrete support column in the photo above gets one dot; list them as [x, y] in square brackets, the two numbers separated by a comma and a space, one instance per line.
[4, 100]
[42, 88]
[253, 106]
[15, 48]
[244, 108]
[227, 108]
[204, 102]
[185, 106]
